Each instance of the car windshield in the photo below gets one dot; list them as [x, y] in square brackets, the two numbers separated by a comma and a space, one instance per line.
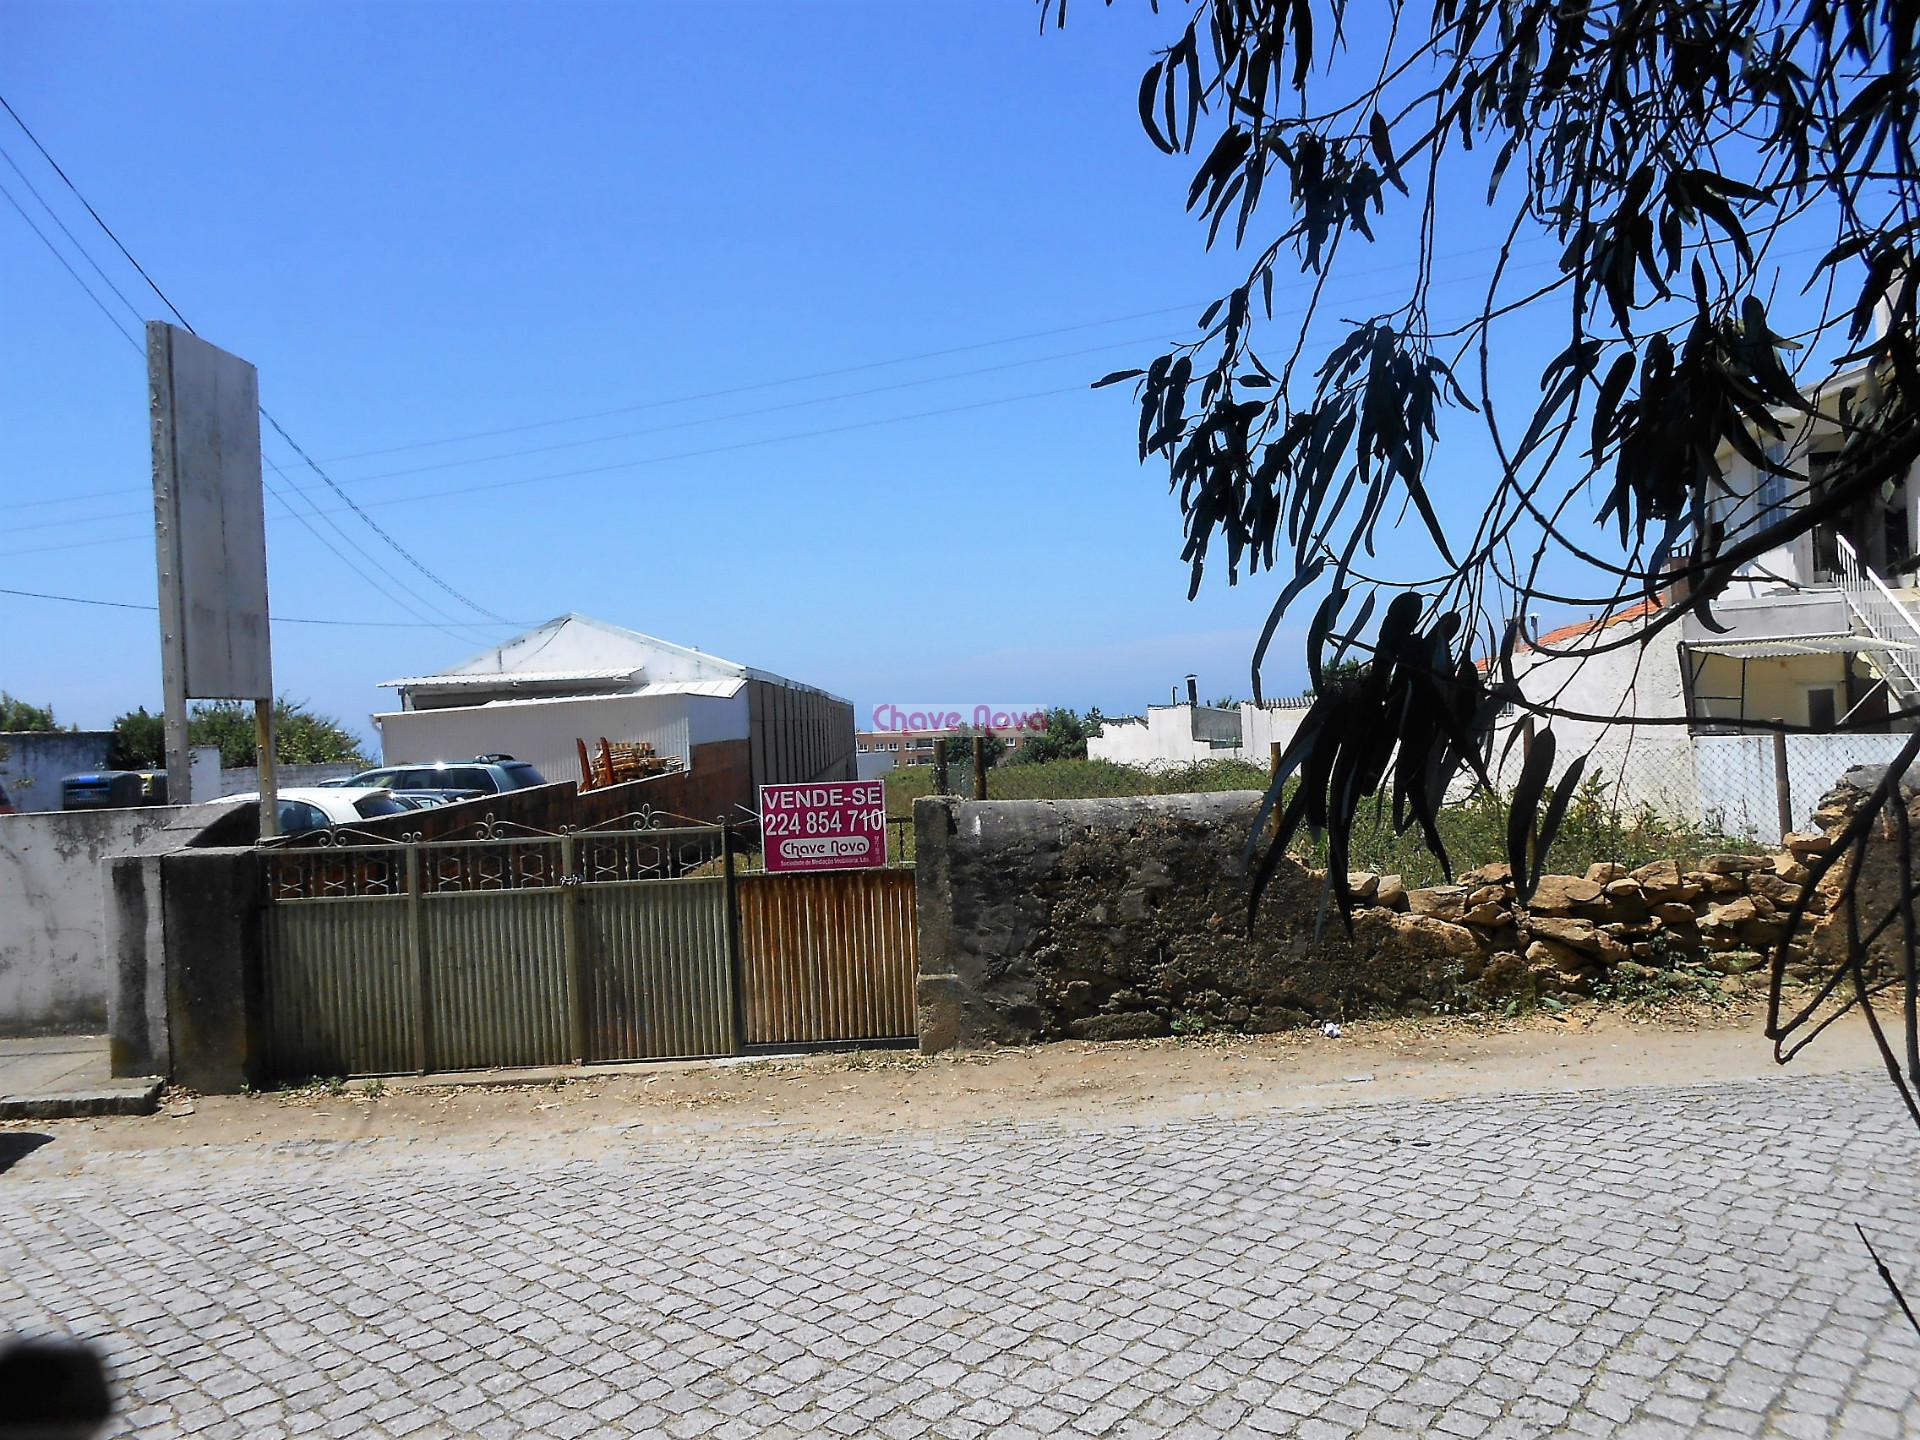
[372, 806]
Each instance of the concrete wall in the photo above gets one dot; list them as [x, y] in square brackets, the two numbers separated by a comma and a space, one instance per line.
[33, 763]
[1108, 919]
[245, 779]
[1643, 764]
[53, 889]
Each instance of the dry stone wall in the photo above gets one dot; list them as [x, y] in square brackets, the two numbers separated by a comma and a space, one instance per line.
[1124, 918]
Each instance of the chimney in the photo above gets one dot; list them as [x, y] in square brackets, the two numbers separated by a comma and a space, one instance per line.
[1193, 691]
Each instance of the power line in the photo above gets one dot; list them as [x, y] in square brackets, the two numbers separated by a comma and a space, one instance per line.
[374, 525]
[72, 239]
[54, 250]
[276, 619]
[24, 130]
[646, 430]
[1076, 389]
[79, 280]
[445, 623]
[396, 546]
[869, 364]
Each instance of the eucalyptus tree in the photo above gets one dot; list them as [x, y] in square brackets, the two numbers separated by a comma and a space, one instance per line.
[1724, 192]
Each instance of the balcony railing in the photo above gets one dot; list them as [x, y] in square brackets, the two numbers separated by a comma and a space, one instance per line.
[1880, 611]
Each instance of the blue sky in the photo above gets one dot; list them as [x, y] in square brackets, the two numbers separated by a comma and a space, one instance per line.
[428, 221]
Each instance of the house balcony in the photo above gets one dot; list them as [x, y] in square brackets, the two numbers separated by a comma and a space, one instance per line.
[1844, 650]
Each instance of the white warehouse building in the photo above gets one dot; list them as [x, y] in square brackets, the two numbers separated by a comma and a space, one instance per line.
[574, 679]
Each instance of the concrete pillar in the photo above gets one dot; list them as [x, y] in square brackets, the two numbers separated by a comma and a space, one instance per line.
[212, 911]
[134, 951]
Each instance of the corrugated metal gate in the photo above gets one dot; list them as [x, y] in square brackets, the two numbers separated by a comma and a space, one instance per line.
[526, 948]
[828, 956]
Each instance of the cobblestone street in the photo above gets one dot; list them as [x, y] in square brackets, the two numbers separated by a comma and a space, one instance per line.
[1648, 1262]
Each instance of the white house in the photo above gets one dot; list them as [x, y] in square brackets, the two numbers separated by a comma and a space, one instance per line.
[1169, 735]
[576, 679]
[1818, 633]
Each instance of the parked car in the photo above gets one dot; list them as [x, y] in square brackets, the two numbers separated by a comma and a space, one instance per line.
[482, 775]
[113, 789]
[318, 807]
[432, 799]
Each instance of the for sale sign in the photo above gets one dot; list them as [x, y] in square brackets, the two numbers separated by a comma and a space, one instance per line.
[835, 825]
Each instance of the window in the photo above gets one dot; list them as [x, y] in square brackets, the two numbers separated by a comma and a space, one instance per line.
[1770, 499]
[371, 806]
[521, 775]
[296, 817]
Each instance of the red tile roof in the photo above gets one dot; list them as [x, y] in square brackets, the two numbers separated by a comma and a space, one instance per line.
[1559, 637]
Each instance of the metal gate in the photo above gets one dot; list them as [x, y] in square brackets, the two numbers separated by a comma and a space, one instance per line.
[518, 947]
[828, 956]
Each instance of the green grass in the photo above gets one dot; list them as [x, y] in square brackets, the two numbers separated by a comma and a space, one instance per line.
[1475, 833]
[1595, 828]
[1078, 780]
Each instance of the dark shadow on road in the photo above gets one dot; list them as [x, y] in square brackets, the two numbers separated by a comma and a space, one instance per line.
[16, 1145]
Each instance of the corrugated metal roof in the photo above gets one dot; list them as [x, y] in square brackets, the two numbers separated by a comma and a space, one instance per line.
[511, 677]
[712, 689]
[1783, 646]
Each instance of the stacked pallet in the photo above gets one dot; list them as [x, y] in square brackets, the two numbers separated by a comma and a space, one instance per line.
[616, 762]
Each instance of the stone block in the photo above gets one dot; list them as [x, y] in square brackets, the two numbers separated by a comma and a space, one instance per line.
[1565, 895]
[1563, 958]
[1135, 1026]
[1576, 934]
[1442, 902]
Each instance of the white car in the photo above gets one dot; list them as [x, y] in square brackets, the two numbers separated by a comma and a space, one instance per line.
[316, 807]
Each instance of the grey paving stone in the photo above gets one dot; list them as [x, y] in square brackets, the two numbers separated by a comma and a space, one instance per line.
[1637, 1262]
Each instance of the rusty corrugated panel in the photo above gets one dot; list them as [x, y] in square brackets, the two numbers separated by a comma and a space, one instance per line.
[655, 960]
[496, 978]
[338, 987]
[830, 956]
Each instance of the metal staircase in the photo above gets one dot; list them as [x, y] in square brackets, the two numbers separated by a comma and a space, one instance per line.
[1880, 614]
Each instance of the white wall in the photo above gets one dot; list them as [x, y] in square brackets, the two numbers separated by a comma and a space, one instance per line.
[544, 731]
[1165, 737]
[245, 779]
[53, 969]
[1643, 764]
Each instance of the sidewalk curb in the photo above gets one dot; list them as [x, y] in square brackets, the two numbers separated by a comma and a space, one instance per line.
[120, 1097]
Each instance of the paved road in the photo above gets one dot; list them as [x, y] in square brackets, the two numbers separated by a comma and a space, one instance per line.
[1655, 1262]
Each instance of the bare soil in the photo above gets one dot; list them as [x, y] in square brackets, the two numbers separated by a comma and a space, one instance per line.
[1585, 1047]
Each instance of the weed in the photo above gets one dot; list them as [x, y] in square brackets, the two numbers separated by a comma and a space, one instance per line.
[1598, 826]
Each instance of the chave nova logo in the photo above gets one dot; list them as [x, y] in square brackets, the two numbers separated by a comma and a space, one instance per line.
[999, 719]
